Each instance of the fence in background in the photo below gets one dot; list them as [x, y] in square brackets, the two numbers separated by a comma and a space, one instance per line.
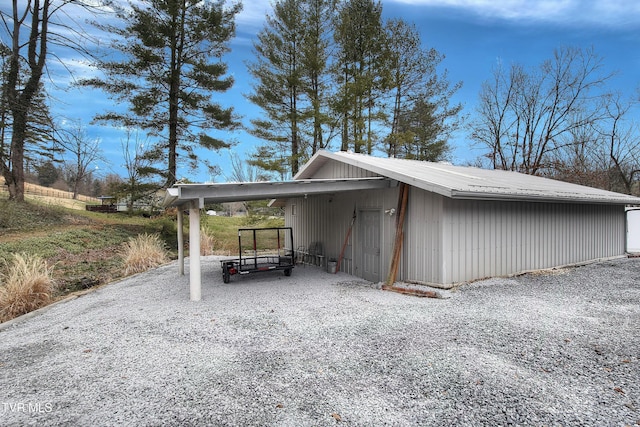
[36, 190]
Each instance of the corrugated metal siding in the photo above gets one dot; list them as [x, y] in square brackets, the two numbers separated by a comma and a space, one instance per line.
[422, 254]
[451, 241]
[326, 219]
[333, 170]
[484, 238]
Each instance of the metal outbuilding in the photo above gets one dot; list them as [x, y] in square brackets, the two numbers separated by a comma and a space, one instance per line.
[461, 223]
[192, 198]
[386, 219]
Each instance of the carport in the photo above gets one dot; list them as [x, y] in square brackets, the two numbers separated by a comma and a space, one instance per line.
[193, 197]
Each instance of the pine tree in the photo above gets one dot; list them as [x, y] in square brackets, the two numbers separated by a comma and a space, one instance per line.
[170, 65]
[291, 86]
[324, 67]
[279, 86]
[421, 119]
[360, 38]
[319, 15]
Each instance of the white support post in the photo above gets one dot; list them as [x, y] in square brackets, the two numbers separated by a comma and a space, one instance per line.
[180, 241]
[195, 280]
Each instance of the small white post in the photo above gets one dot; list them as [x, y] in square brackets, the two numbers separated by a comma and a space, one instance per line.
[195, 280]
[180, 241]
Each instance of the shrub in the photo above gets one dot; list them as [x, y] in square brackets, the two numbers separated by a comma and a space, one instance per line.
[25, 285]
[144, 252]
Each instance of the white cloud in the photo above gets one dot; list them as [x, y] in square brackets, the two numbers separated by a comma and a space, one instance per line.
[605, 13]
[253, 14]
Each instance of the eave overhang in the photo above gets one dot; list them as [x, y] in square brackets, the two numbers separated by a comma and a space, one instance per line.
[181, 194]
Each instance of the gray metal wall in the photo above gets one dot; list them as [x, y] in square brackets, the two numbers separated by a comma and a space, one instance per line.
[326, 219]
[490, 238]
[423, 238]
[451, 241]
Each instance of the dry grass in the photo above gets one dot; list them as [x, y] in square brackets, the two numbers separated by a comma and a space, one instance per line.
[26, 284]
[207, 242]
[144, 252]
[53, 197]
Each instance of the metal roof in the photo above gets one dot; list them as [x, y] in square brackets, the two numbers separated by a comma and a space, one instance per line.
[461, 182]
[244, 191]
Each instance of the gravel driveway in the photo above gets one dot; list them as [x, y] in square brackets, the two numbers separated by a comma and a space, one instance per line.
[317, 349]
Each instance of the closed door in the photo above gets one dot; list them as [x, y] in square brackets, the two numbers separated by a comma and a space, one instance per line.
[369, 245]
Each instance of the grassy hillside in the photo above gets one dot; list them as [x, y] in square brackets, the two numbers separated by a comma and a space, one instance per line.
[50, 196]
[85, 247]
[224, 230]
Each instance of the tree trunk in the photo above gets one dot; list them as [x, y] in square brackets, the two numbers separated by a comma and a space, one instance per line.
[20, 101]
[15, 179]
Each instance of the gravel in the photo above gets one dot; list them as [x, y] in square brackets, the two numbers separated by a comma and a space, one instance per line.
[317, 349]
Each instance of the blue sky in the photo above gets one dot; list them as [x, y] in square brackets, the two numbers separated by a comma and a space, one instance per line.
[472, 34]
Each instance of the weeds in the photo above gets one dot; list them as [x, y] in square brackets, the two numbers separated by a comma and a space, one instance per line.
[26, 284]
[144, 252]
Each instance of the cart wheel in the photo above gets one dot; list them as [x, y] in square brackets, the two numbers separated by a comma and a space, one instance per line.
[287, 272]
[226, 277]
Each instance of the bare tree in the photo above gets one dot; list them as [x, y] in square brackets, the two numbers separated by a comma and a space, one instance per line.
[581, 159]
[83, 150]
[621, 137]
[245, 171]
[32, 26]
[139, 168]
[523, 116]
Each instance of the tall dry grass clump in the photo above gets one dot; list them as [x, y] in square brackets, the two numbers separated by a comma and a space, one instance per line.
[144, 252]
[207, 242]
[26, 284]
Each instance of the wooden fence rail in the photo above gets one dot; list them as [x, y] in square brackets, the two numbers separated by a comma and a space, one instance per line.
[37, 190]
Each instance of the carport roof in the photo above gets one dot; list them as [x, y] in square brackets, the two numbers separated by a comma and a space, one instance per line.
[180, 194]
[460, 182]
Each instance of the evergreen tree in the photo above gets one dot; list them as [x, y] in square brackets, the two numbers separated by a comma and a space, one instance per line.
[47, 174]
[325, 67]
[319, 14]
[360, 39]
[421, 119]
[407, 62]
[170, 64]
[278, 73]
[291, 83]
